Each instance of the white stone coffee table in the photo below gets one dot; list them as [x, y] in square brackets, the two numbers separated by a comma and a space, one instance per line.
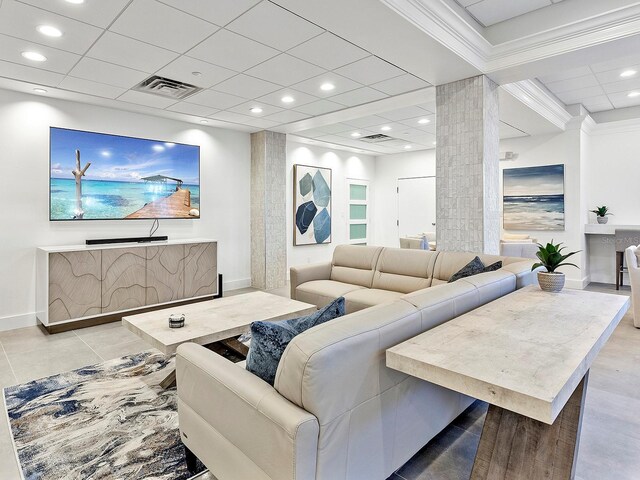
[528, 354]
[212, 321]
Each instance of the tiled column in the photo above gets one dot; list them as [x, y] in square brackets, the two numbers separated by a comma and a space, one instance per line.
[467, 173]
[268, 210]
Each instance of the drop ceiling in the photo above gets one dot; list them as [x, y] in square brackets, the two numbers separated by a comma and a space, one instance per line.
[490, 12]
[243, 54]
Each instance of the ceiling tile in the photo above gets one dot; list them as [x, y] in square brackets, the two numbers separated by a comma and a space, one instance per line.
[219, 12]
[597, 104]
[287, 116]
[328, 51]
[285, 70]
[367, 121]
[231, 50]
[335, 128]
[490, 12]
[415, 122]
[158, 24]
[274, 26]
[91, 88]
[395, 128]
[20, 20]
[611, 76]
[192, 109]
[311, 133]
[146, 99]
[131, 53]
[575, 96]
[620, 100]
[404, 113]
[616, 63]
[98, 13]
[57, 60]
[622, 86]
[245, 109]
[402, 84]
[573, 84]
[29, 74]
[183, 67]
[370, 70]
[104, 72]
[320, 107]
[565, 74]
[299, 98]
[359, 96]
[246, 87]
[217, 100]
[244, 119]
[312, 86]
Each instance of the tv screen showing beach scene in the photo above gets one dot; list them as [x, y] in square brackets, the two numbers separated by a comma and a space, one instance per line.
[97, 176]
[533, 198]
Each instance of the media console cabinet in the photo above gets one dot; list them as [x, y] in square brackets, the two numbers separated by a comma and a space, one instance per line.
[84, 285]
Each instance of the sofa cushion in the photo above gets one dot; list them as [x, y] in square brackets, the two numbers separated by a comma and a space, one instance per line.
[270, 339]
[322, 292]
[474, 267]
[354, 264]
[404, 271]
[448, 263]
[368, 297]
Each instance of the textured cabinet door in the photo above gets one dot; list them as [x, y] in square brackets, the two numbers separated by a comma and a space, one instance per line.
[74, 285]
[123, 278]
[165, 273]
[201, 270]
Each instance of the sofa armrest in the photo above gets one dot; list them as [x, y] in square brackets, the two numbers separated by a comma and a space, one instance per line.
[522, 271]
[308, 273]
[226, 411]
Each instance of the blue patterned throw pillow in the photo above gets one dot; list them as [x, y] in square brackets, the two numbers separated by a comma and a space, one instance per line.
[270, 339]
[474, 267]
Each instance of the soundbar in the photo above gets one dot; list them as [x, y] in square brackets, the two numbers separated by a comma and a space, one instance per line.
[103, 241]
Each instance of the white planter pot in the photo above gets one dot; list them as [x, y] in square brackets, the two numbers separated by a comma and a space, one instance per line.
[551, 282]
[602, 220]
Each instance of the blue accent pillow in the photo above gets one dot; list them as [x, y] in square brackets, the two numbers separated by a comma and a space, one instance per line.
[270, 339]
[474, 267]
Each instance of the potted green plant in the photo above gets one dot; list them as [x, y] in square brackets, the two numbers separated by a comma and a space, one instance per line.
[551, 258]
[601, 214]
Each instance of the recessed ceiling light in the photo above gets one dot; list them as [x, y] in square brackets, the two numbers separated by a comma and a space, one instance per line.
[633, 94]
[39, 90]
[356, 134]
[386, 128]
[34, 56]
[287, 99]
[49, 31]
[408, 147]
[204, 121]
[196, 74]
[628, 73]
[327, 87]
[424, 121]
[75, 2]
[256, 110]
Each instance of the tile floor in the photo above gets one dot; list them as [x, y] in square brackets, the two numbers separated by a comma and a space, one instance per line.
[609, 444]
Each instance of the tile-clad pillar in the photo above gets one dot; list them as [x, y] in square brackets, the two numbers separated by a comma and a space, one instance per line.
[467, 172]
[268, 210]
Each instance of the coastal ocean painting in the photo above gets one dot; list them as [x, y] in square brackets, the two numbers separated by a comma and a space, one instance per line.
[312, 205]
[533, 198]
[96, 176]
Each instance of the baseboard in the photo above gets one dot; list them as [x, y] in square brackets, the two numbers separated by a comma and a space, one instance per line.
[578, 284]
[236, 284]
[18, 321]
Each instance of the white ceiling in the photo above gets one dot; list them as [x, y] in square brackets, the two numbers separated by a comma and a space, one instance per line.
[490, 12]
[243, 60]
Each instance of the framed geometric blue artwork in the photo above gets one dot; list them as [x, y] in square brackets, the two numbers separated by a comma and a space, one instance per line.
[311, 205]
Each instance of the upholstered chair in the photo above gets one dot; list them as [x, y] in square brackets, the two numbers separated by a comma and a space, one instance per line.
[632, 255]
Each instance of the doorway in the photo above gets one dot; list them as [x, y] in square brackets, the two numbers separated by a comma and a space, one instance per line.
[416, 205]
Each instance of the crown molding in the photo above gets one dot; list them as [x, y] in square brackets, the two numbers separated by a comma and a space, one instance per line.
[623, 126]
[441, 22]
[589, 125]
[538, 99]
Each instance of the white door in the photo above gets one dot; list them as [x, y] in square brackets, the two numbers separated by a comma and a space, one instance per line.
[416, 205]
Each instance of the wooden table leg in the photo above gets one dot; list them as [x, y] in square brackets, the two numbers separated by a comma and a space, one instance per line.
[170, 380]
[236, 346]
[619, 260]
[516, 447]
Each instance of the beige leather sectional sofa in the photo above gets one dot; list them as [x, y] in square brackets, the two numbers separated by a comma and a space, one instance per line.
[336, 411]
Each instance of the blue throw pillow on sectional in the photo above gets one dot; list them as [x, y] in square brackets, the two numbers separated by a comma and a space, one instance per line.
[474, 267]
[270, 339]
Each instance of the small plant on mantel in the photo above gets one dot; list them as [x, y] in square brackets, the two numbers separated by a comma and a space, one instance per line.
[552, 258]
[601, 214]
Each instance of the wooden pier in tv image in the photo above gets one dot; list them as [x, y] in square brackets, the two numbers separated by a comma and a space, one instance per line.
[176, 205]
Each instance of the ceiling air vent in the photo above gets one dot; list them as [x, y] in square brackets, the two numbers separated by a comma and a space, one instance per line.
[166, 87]
[377, 138]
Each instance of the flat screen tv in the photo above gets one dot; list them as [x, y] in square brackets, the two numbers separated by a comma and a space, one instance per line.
[97, 176]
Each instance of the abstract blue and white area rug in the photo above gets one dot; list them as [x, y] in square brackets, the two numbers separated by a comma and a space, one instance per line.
[106, 421]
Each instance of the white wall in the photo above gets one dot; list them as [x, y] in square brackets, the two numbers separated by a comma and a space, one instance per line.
[389, 168]
[343, 165]
[24, 141]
